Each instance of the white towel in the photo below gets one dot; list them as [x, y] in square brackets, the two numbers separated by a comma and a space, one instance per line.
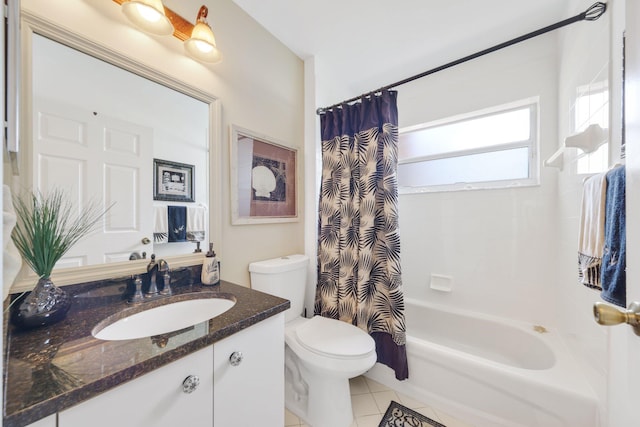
[160, 224]
[591, 231]
[196, 223]
[11, 259]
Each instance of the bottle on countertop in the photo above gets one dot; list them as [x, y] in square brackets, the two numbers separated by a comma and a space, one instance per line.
[210, 268]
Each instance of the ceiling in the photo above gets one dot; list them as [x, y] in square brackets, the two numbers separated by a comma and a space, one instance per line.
[372, 43]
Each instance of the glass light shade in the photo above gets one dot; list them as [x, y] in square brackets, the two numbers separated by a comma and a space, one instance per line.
[202, 44]
[148, 15]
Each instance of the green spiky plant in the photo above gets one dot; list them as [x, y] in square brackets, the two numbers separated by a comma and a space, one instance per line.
[47, 227]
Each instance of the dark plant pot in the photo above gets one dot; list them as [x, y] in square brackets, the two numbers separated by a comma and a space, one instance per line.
[45, 305]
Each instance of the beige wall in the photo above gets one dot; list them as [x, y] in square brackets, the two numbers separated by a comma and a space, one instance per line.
[259, 84]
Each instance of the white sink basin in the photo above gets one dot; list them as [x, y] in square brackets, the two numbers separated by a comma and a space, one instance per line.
[162, 319]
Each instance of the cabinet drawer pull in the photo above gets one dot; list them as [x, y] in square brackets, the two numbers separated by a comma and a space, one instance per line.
[190, 384]
[236, 358]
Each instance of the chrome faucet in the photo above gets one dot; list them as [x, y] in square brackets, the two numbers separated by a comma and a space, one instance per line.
[153, 269]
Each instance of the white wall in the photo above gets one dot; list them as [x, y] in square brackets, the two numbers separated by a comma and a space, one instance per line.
[259, 83]
[513, 252]
[498, 245]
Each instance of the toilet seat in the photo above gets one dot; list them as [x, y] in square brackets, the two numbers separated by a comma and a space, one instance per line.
[334, 338]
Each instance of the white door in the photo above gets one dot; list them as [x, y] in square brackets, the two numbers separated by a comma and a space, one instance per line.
[68, 143]
[624, 350]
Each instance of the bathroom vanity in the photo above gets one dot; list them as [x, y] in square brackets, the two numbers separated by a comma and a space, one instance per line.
[63, 376]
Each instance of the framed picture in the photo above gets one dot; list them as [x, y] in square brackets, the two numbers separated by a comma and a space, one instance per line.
[172, 181]
[264, 184]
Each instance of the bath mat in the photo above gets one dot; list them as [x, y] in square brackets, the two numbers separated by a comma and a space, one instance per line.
[401, 416]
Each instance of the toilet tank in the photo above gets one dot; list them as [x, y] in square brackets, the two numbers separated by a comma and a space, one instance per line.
[285, 277]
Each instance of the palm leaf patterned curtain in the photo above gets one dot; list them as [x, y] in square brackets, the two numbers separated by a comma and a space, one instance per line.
[359, 278]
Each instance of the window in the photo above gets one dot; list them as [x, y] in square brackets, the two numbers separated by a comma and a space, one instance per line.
[486, 149]
[592, 107]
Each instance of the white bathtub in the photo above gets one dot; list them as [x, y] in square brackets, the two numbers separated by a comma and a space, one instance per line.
[490, 372]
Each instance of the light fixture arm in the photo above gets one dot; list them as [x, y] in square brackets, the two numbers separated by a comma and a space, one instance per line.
[202, 14]
[202, 43]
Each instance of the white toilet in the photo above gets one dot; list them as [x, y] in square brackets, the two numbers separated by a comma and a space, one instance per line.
[321, 354]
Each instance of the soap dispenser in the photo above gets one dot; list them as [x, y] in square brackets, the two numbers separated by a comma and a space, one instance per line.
[210, 268]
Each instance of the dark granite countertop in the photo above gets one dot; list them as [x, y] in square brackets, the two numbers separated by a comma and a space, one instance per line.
[52, 368]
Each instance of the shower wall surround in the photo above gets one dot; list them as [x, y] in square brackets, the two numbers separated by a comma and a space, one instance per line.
[512, 252]
[494, 243]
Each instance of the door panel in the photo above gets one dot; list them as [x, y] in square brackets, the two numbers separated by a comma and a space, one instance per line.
[69, 142]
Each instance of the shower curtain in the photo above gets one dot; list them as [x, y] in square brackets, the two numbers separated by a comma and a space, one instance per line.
[359, 278]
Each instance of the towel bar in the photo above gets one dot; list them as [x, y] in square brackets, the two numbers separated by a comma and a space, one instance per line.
[588, 141]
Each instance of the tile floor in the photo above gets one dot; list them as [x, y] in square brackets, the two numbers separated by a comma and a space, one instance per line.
[370, 400]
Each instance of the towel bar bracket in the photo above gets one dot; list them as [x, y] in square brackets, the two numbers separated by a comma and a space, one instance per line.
[608, 315]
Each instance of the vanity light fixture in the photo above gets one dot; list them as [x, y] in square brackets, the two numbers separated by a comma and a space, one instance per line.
[202, 43]
[148, 15]
[198, 39]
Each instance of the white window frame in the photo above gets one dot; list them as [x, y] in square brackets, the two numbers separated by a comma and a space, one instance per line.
[532, 143]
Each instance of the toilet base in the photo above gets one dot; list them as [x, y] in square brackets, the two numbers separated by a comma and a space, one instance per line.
[328, 403]
[320, 398]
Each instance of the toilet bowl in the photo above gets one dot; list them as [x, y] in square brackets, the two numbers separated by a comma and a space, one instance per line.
[321, 354]
[327, 353]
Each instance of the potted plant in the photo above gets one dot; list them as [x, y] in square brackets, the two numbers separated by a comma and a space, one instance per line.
[46, 229]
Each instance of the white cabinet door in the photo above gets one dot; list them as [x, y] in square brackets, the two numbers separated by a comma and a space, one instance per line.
[155, 399]
[252, 392]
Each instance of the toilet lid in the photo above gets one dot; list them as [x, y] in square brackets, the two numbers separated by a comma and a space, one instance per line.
[334, 337]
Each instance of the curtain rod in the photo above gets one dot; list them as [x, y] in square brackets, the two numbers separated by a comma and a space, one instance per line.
[594, 12]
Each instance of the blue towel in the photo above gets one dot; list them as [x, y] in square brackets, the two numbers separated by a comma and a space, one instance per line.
[614, 263]
[177, 218]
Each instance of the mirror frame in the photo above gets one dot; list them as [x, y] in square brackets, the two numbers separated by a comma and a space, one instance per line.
[31, 24]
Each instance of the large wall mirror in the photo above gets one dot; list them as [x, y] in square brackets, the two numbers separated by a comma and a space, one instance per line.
[95, 124]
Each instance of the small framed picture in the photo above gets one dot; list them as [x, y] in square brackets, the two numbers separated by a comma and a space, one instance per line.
[263, 179]
[172, 181]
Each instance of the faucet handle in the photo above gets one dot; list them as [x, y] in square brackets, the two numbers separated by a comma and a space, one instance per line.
[163, 265]
[166, 279]
[137, 294]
